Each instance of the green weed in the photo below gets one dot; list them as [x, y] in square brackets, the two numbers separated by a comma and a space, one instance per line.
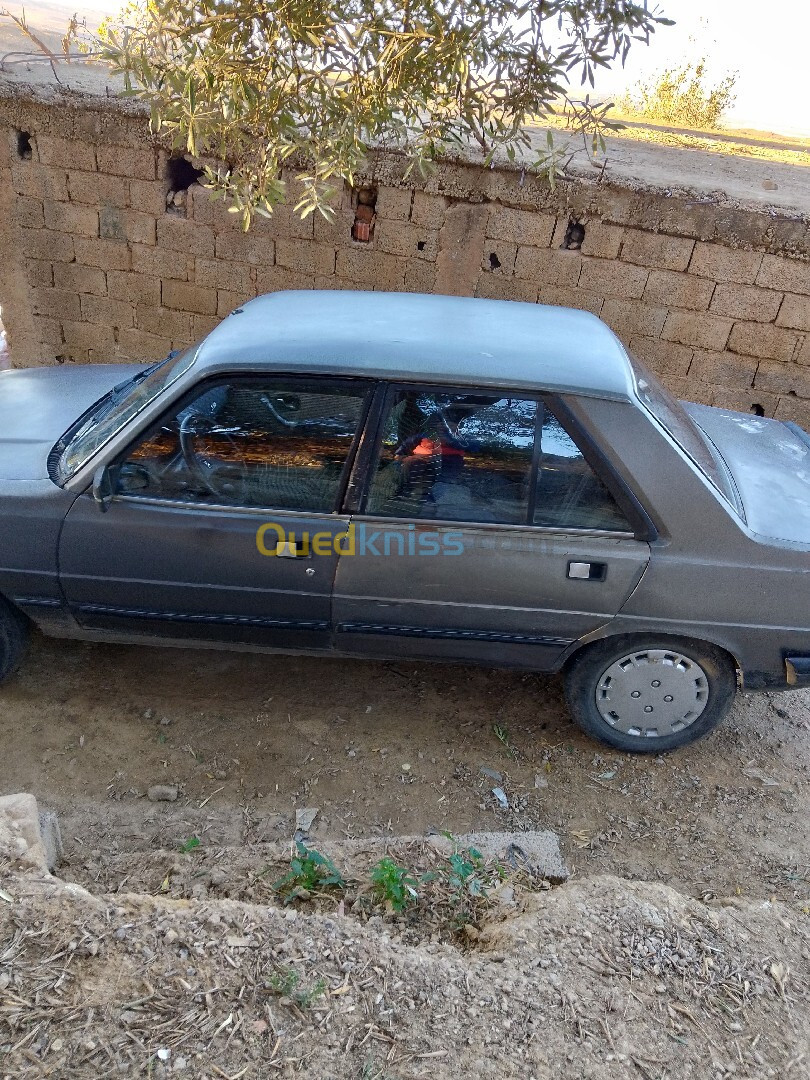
[309, 871]
[393, 884]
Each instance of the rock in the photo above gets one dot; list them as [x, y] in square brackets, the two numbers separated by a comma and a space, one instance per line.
[540, 781]
[163, 793]
[21, 833]
[492, 774]
[51, 837]
[538, 852]
[304, 818]
[770, 185]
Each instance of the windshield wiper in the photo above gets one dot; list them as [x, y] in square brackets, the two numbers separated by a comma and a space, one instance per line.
[125, 386]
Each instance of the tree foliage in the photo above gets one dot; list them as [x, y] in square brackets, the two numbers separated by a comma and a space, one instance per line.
[256, 83]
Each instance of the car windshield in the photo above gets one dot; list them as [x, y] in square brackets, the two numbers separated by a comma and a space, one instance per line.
[671, 414]
[97, 426]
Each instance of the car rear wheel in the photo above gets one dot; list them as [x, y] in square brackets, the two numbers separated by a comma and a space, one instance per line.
[13, 638]
[650, 695]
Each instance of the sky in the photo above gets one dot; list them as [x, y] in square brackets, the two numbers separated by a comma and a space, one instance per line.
[767, 41]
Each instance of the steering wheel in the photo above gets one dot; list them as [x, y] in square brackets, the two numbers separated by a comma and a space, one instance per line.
[218, 478]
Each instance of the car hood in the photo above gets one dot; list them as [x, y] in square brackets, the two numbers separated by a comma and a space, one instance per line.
[38, 405]
[770, 463]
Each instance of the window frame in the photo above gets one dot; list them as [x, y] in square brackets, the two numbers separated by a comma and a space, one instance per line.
[641, 525]
[368, 386]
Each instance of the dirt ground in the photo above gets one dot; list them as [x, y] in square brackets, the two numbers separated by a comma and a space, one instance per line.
[393, 749]
[679, 948]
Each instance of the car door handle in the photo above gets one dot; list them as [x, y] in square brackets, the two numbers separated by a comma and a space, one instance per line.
[587, 571]
[288, 549]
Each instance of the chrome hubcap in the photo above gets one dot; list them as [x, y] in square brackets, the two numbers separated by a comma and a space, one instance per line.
[652, 693]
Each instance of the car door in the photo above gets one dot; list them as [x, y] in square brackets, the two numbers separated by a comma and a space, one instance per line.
[223, 525]
[484, 535]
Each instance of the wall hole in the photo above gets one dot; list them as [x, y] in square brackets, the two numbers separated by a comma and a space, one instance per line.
[181, 174]
[365, 214]
[757, 409]
[421, 245]
[494, 261]
[24, 148]
[574, 235]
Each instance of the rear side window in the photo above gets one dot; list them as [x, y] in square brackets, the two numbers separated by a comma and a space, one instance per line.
[669, 412]
[487, 458]
[569, 495]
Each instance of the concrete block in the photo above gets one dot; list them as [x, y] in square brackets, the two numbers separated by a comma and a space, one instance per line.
[764, 341]
[137, 164]
[107, 312]
[55, 303]
[785, 275]
[664, 357]
[137, 288]
[657, 250]
[66, 153]
[794, 312]
[46, 244]
[724, 264]
[613, 279]
[629, 317]
[702, 331]
[783, 378]
[520, 226]
[549, 267]
[536, 852]
[674, 290]
[305, 257]
[105, 254]
[746, 302]
[73, 277]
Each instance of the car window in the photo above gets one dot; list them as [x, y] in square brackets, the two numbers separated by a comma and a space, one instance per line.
[456, 457]
[109, 415]
[669, 412]
[488, 458]
[569, 495]
[272, 442]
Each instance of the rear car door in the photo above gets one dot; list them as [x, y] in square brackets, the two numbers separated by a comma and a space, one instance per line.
[224, 525]
[484, 534]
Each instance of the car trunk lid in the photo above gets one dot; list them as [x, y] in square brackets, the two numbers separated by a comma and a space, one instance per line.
[770, 463]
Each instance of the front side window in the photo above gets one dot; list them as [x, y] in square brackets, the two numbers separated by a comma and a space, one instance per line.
[276, 443]
[488, 458]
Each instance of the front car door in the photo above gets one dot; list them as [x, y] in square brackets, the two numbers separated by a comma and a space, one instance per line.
[484, 535]
[225, 522]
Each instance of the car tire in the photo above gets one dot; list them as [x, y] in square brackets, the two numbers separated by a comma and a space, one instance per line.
[13, 638]
[650, 695]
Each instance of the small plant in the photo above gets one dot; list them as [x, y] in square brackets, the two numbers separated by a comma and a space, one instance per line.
[393, 884]
[309, 871]
[189, 845]
[465, 872]
[502, 735]
[286, 983]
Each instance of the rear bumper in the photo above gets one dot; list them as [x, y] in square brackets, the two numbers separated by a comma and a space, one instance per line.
[798, 670]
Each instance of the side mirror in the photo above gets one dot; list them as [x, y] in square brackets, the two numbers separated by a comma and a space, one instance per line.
[103, 488]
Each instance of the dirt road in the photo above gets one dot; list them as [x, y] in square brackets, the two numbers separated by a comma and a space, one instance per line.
[394, 749]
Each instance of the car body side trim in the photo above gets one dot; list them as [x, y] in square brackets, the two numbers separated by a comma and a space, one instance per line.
[447, 633]
[202, 617]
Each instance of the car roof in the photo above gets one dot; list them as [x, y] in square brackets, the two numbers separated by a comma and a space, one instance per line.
[451, 340]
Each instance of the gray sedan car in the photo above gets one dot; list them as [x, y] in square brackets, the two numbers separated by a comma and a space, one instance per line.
[383, 475]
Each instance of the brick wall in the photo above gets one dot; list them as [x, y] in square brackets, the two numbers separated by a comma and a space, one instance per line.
[97, 267]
